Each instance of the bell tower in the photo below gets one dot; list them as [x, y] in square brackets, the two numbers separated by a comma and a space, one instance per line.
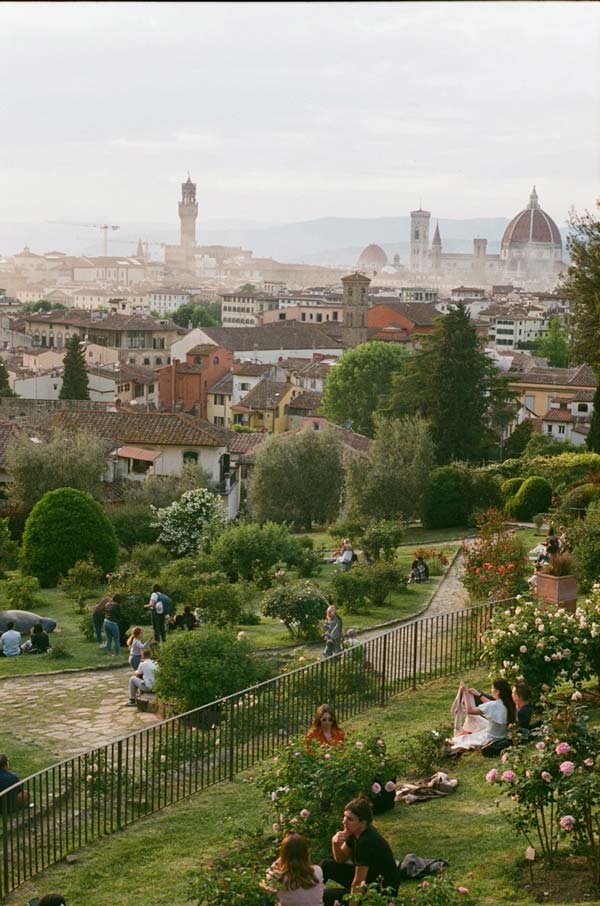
[188, 212]
[419, 240]
[355, 308]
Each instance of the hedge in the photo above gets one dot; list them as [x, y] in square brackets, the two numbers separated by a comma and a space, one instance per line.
[534, 496]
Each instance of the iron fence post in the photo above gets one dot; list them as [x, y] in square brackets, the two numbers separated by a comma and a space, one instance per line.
[119, 782]
[384, 670]
[5, 889]
[414, 655]
[231, 743]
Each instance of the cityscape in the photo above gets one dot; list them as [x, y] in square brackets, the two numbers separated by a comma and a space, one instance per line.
[300, 454]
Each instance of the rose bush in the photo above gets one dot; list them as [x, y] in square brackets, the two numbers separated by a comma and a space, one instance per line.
[495, 565]
[545, 647]
[555, 785]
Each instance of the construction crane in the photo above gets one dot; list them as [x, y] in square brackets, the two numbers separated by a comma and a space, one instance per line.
[105, 227]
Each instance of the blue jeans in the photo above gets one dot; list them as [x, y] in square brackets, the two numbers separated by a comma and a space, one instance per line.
[98, 621]
[135, 661]
[112, 632]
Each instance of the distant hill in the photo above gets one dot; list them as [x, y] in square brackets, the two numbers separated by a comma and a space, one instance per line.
[327, 240]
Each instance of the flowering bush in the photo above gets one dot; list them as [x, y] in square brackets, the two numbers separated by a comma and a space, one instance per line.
[556, 785]
[238, 886]
[308, 784]
[496, 565]
[437, 561]
[190, 521]
[545, 647]
[300, 606]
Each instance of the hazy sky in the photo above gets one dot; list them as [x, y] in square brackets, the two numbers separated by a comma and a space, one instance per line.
[288, 112]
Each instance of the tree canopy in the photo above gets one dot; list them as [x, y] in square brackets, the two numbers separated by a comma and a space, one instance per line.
[389, 482]
[355, 385]
[198, 314]
[43, 305]
[68, 460]
[555, 345]
[581, 286]
[457, 387]
[5, 388]
[75, 376]
[593, 438]
[297, 478]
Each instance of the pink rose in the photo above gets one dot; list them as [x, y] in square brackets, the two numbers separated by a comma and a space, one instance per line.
[567, 822]
[425, 884]
[540, 745]
[294, 821]
[376, 788]
[562, 748]
[390, 786]
[275, 828]
[546, 776]
[380, 742]
[492, 776]
[360, 745]
[576, 697]
[304, 813]
[327, 756]
[509, 776]
[589, 762]
[463, 889]
[566, 767]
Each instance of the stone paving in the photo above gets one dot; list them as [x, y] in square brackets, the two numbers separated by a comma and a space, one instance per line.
[94, 702]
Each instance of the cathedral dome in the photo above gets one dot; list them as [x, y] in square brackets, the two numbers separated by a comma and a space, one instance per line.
[532, 225]
[373, 258]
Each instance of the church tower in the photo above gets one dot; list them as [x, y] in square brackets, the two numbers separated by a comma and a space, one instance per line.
[419, 240]
[188, 212]
[436, 251]
[355, 308]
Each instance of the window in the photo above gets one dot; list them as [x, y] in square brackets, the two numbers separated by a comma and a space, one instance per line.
[529, 401]
[244, 386]
[146, 360]
[219, 420]
[582, 407]
[216, 360]
[190, 456]
[561, 429]
[549, 429]
[158, 360]
[150, 388]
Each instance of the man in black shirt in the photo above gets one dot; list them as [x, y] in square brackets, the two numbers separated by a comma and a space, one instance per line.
[360, 855]
[17, 796]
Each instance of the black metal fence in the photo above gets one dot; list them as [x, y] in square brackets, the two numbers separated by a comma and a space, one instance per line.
[66, 806]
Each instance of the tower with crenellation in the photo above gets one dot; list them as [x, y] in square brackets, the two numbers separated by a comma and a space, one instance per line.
[188, 213]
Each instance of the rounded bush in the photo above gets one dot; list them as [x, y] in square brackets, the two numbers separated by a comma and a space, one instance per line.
[449, 498]
[133, 524]
[196, 668]
[486, 491]
[63, 527]
[579, 498]
[510, 487]
[534, 496]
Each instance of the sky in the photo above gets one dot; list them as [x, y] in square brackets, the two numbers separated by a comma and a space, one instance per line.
[285, 112]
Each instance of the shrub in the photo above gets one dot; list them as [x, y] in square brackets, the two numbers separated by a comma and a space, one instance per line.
[196, 668]
[80, 582]
[252, 552]
[66, 526]
[379, 540]
[135, 588]
[190, 522]
[486, 490]
[509, 488]
[366, 586]
[578, 499]
[421, 754]
[8, 548]
[300, 606]
[534, 496]
[149, 558]
[308, 785]
[449, 499]
[59, 651]
[437, 561]
[495, 565]
[133, 524]
[21, 593]
[220, 604]
[584, 539]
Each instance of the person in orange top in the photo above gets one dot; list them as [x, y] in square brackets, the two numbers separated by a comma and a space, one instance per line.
[325, 728]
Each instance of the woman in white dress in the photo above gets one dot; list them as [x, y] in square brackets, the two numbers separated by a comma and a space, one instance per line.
[485, 721]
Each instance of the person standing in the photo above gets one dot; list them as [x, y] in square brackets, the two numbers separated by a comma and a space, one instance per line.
[360, 855]
[333, 632]
[159, 605]
[112, 615]
[136, 647]
[98, 614]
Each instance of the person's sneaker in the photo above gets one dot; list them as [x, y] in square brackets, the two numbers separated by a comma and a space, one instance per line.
[102, 645]
[130, 704]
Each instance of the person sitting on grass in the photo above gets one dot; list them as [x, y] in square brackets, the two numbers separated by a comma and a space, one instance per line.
[292, 877]
[360, 855]
[52, 899]
[325, 728]
[487, 716]
[418, 572]
[521, 695]
[38, 642]
[10, 641]
[144, 678]
[185, 620]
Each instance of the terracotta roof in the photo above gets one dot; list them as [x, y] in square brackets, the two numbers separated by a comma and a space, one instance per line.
[422, 314]
[202, 349]
[558, 415]
[164, 428]
[223, 385]
[266, 395]
[281, 335]
[308, 399]
[137, 373]
[582, 376]
[316, 369]
[244, 443]
[583, 396]
[357, 443]
[251, 369]
[112, 321]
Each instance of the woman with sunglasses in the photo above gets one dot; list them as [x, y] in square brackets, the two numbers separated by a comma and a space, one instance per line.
[325, 728]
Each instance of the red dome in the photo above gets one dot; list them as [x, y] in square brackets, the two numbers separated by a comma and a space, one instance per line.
[373, 257]
[532, 225]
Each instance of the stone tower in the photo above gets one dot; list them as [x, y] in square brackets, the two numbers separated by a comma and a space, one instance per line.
[419, 240]
[436, 251]
[188, 212]
[479, 256]
[355, 308]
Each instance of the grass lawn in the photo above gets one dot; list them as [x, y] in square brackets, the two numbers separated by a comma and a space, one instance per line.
[466, 828]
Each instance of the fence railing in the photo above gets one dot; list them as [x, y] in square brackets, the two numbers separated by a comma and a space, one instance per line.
[72, 803]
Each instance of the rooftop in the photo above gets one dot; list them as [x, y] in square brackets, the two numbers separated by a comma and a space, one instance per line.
[164, 428]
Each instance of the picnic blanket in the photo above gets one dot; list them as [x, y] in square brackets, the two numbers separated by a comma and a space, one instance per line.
[434, 787]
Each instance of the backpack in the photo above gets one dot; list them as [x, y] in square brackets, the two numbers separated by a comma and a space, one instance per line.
[166, 603]
[495, 747]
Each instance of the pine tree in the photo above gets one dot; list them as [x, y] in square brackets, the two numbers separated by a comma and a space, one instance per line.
[75, 378]
[5, 389]
[581, 287]
[593, 438]
[455, 385]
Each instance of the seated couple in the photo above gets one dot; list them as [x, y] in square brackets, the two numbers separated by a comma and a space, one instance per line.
[360, 855]
[480, 718]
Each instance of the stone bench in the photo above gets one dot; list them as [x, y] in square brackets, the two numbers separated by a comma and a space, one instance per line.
[148, 703]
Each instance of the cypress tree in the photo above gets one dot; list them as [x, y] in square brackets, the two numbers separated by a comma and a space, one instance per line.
[5, 389]
[593, 438]
[75, 378]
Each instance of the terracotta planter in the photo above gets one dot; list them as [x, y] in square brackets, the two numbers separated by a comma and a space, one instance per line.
[560, 591]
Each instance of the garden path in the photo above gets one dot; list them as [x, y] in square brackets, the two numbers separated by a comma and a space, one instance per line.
[95, 710]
